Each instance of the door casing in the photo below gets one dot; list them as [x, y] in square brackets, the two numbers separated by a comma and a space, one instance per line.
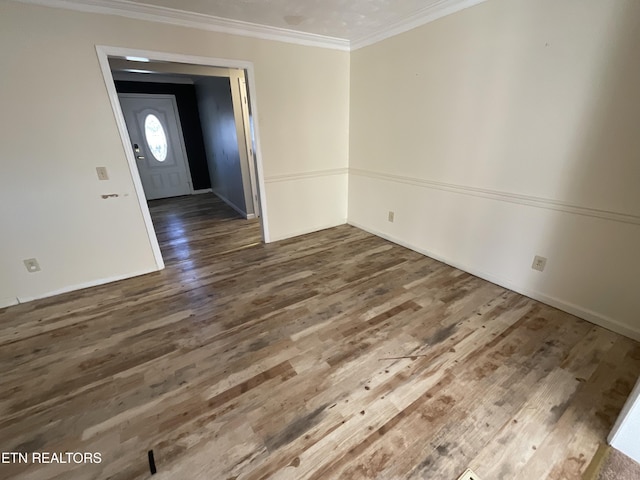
[103, 52]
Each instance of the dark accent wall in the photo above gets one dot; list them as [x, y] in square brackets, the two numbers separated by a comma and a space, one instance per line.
[189, 118]
[218, 120]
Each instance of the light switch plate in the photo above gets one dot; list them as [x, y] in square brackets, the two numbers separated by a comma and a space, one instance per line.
[102, 173]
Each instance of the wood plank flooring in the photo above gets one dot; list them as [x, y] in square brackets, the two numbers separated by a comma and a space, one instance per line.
[335, 355]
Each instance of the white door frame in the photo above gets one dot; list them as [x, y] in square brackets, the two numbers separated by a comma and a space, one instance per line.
[623, 435]
[176, 114]
[246, 123]
[103, 53]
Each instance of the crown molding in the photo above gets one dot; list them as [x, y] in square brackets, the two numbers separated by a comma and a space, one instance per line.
[428, 14]
[171, 16]
[200, 21]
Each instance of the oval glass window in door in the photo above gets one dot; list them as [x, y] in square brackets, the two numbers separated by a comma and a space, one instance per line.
[156, 138]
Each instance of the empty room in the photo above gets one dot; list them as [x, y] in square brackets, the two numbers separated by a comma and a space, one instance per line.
[304, 239]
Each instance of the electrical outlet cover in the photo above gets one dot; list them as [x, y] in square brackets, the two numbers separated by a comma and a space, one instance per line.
[32, 265]
[539, 263]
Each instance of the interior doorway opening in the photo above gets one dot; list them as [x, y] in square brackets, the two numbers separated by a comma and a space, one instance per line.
[160, 148]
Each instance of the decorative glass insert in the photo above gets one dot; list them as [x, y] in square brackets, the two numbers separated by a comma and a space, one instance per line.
[156, 138]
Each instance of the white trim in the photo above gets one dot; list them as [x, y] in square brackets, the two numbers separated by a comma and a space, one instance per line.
[231, 204]
[201, 191]
[120, 76]
[103, 59]
[248, 143]
[103, 54]
[302, 175]
[305, 231]
[578, 311]
[529, 200]
[159, 14]
[630, 407]
[80, 286]
[428, 14]
[8, 302]
[200, 21]
[262, 194]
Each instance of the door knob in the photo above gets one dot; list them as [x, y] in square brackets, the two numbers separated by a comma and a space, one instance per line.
[136, 149]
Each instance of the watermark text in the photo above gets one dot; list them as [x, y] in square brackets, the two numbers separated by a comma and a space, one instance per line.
[51, 457]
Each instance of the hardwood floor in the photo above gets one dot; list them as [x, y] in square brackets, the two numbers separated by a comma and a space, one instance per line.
[332, 355]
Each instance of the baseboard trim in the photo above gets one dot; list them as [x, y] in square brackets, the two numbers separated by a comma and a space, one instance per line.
[581, 312]
[201, 191]
[305, 231]
[231, 204]
[8, 302]
[82, 286]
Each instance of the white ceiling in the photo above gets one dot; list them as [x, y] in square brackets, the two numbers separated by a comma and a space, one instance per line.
[347, 19]
[342, 24]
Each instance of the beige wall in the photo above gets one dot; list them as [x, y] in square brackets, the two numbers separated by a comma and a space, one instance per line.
[56, 126]
[500, 132]
[507, 130]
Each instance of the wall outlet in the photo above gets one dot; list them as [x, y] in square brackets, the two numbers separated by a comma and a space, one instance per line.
[468, 475]
[539, 263]
[32, 265]
[391, 216]
[102, 173]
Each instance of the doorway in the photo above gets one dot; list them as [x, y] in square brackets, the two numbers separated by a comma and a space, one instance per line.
[182, 63]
